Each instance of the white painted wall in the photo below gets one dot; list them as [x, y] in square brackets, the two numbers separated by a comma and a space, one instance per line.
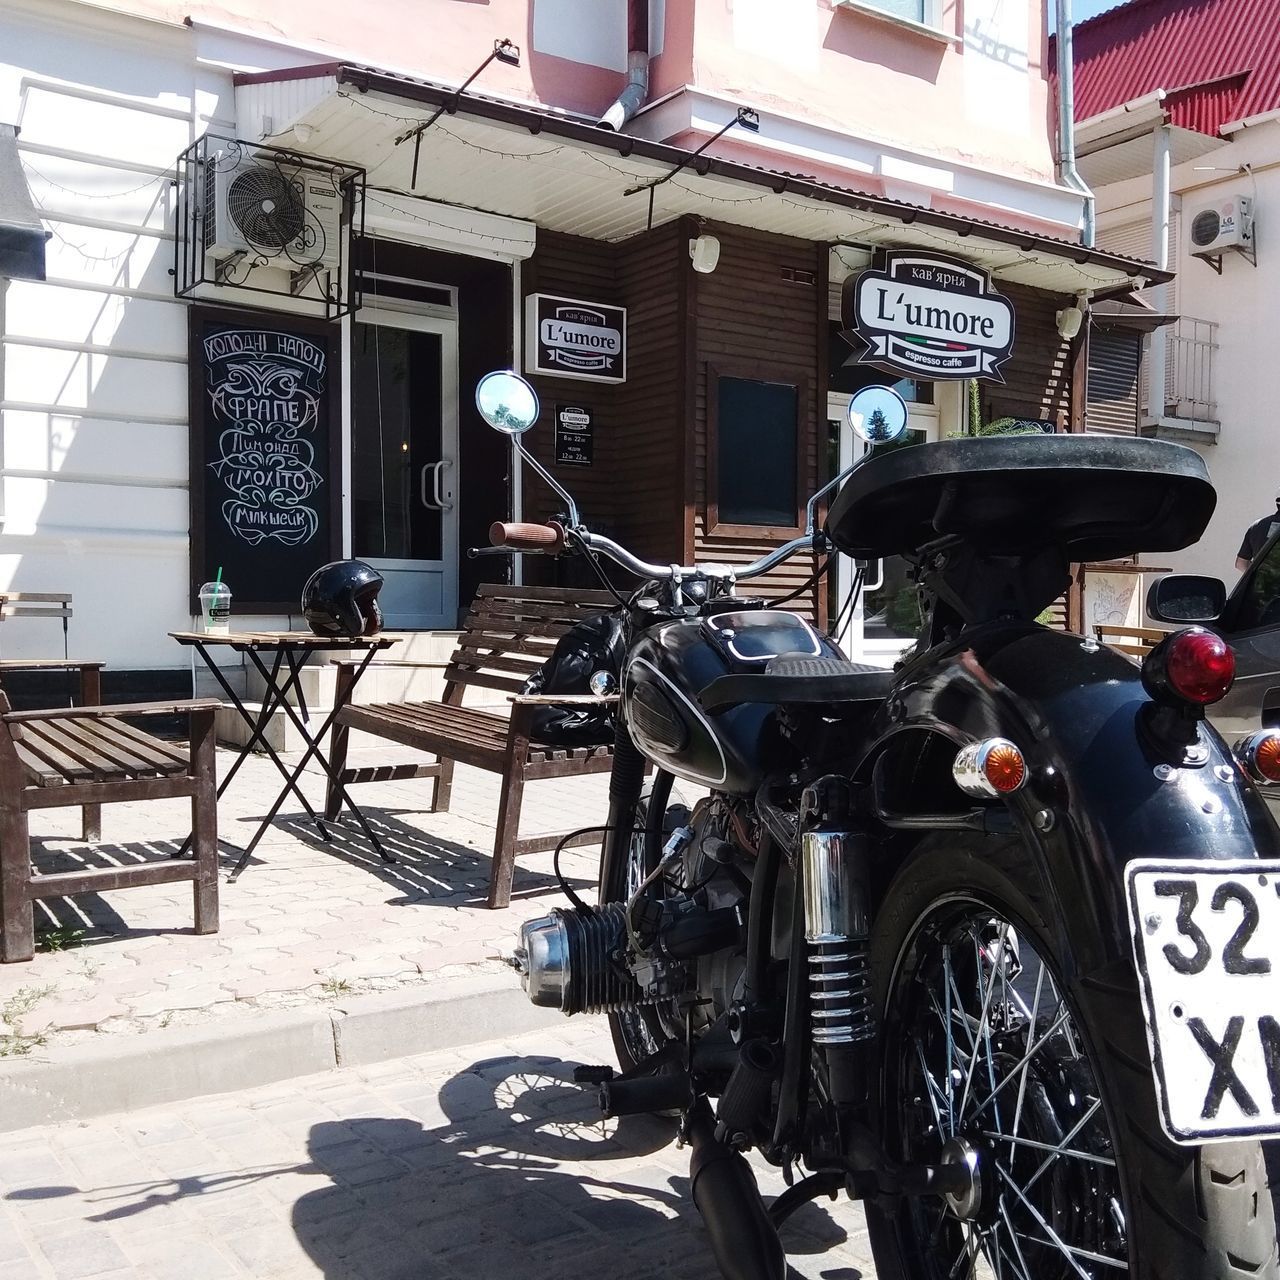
[1245, 303]
[94, 408]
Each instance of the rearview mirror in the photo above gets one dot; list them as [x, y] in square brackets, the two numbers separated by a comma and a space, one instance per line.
[507, 402]
[1186, 597]
[878, 414]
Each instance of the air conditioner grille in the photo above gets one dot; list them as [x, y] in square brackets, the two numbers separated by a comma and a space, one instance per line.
[266, 208]
[1205, 226]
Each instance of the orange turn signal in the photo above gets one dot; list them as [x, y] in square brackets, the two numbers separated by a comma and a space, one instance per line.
[1259, 755]
[989, 768]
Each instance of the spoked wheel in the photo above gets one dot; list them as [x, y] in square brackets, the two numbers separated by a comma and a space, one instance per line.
[1041, 1090]
[640, 1032]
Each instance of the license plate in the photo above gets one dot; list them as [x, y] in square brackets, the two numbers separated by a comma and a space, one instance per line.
[1207, 945]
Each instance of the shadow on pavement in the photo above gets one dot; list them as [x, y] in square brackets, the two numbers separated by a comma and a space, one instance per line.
[515, 1183]
[427, 869]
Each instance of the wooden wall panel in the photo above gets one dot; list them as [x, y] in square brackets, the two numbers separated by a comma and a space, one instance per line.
[764, 305]
[575, 268]
[648, 493]
[1037, 377]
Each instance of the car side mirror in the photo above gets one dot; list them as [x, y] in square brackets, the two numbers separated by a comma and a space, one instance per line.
[1186, 597]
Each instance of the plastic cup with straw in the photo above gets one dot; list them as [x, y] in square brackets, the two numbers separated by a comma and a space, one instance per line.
[215, 606]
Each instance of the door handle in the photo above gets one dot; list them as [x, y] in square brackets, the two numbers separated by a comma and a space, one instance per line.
[437, 502]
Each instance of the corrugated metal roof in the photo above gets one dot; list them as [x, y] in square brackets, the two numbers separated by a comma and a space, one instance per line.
[1219, 59]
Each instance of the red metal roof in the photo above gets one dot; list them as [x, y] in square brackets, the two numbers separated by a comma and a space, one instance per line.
[1219, 60]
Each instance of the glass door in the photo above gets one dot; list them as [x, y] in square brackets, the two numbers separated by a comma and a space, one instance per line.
[404, 434]
[886, 619]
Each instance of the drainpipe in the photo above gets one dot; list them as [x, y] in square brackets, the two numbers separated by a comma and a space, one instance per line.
[1066, 120]
[632, 98]
[1158, 348]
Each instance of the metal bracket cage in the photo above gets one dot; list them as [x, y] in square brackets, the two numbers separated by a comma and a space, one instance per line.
[288, 251]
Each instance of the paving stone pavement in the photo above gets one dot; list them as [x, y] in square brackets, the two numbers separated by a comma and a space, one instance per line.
[306, 921]
[474, 1162]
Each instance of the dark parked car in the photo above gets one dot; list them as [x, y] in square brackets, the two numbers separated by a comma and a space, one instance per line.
[1249, 620]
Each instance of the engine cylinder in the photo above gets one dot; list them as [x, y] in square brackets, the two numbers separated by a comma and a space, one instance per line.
[837, 927]
[570, 960]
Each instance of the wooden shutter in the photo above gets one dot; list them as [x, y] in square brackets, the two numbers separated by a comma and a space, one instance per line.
[1112, 406]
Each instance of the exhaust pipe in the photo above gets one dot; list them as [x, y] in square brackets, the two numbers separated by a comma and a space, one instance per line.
[743, 1238]
[633, 97]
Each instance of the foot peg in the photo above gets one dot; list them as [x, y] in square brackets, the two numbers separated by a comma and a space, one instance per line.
[645, 1095]
[592, 1075]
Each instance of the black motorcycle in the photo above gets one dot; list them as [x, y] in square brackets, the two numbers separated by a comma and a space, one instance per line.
[985, 941]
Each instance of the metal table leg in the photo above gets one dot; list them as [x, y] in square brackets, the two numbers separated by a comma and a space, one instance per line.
[314, 749]
[276, 695]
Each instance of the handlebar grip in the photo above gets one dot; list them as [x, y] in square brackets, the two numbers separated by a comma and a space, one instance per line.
[547, 537]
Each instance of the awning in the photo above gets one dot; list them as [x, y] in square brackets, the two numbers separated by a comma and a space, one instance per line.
[568, 175]
[22, 234]
[1117, 144]
[1130, 312]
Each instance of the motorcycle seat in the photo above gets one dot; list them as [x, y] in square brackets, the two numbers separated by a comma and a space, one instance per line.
[799, 681]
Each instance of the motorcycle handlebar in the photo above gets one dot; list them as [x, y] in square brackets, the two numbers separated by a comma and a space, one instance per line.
[547, 538]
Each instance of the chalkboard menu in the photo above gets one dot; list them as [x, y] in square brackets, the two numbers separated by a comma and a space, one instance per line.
[265, 418]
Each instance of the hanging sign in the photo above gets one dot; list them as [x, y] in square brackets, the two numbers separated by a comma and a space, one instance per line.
[928, 317]
[264, 416]
[569, 339]
[574, 443]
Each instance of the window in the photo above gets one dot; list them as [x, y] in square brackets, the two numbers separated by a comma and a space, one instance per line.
[754, 446]
[1261, 605]
[912, 10]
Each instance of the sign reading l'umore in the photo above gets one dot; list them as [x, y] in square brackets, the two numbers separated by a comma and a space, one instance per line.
[568, 338]
[574, 443]
[929, 316]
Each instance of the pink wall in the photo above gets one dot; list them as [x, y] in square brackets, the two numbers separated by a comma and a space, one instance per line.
[852, 70]
[983, 102]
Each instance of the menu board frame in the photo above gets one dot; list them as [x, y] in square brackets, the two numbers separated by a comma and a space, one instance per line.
[246, 565]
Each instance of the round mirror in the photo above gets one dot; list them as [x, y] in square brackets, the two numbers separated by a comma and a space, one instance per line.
[878, 414]
[507, 402]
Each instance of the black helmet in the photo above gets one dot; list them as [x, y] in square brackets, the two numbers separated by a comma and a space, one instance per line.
[340, 599]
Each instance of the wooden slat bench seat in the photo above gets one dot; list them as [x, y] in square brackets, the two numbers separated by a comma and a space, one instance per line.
[508, 634]
[89, 756]
[90, 681]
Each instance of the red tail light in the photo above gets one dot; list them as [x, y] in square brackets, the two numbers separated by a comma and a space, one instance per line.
[1192, 666]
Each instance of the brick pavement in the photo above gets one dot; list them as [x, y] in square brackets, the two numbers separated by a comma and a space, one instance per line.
[475, 1162]
[305, 922]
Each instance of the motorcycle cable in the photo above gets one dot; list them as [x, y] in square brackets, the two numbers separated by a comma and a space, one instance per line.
[565, 886]
[596, 566]
[805, 585]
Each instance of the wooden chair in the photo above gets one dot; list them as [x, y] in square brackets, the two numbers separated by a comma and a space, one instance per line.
[39, 604]
[1137, 642]
[87, 756]
[508, 634]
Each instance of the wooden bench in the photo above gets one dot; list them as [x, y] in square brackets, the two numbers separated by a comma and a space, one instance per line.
[89, 756]
[1135, 641]
[506, 637]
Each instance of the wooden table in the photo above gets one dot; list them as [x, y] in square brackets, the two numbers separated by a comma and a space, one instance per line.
[288, 650]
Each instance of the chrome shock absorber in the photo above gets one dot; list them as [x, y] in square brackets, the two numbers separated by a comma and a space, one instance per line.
[837, 931]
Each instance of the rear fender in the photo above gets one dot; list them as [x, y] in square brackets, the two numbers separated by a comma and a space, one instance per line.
[1097, 796]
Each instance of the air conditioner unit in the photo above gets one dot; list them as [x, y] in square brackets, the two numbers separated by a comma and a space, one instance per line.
[289, 214]
[1215, 228]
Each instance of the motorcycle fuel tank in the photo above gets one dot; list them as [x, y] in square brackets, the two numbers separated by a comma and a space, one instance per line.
[671, 664]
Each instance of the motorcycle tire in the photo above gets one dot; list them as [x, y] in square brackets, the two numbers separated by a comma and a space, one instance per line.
[637, 1033]
[978, 907]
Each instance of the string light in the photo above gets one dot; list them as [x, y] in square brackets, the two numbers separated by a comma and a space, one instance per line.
[94, 195]
[851, 222]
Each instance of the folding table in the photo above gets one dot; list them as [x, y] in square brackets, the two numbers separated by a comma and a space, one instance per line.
[287, 651]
